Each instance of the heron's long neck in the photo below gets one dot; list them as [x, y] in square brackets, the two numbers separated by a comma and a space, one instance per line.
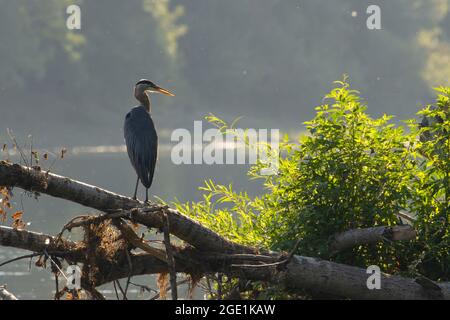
[145, 100]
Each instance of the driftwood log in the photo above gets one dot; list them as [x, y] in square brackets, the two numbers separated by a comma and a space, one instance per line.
[207, 251]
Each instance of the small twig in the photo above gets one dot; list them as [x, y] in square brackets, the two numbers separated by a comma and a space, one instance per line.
[53, 162]
[13, 138]
[115, 290]
[56, 287]
[208, 286]
[170, 259]
[179, 283]
[31, 151]
[20, 258]
[68, 226]
[143, 287]
[130, 265]
[134, 239]
[87, 220]
[219, 286]
[294, 249]
[405, 216]
[240, 256]
[267, 265]
[121, 290]
[55, 264]
[29, 264]
[95, 294]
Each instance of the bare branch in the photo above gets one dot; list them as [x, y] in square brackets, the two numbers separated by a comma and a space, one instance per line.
[132, 237]
[352, 238]
[38, 242]
[170, 260]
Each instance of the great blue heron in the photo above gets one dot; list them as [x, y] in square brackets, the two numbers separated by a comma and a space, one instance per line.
[140, 134]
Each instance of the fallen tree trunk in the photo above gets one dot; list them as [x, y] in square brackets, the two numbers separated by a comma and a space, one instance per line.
[211, 252]
[183, 227]
[301, 273]
[338, 279]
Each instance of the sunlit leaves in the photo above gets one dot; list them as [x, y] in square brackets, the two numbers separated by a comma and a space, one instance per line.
[431, 201]
[350, 171]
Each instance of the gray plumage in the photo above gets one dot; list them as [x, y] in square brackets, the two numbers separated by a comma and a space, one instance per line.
[140, 134]
[142, 143]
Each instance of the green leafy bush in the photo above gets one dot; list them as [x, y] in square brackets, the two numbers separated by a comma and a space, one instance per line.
[350, 171]
[431, 199]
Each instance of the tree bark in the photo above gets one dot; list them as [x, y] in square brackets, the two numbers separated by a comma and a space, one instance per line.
[340, 280]
[351, 238]
[37, 242]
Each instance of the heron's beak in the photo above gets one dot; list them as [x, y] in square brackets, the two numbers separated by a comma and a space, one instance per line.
[163, 91]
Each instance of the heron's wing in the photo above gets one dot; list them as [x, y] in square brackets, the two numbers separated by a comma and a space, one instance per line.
[142, 144]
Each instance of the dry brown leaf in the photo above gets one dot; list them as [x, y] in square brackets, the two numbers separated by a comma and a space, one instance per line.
[18, 224]
[17, 215]
[135, 226]
[163, 282]
[40, 262]
[73, 295]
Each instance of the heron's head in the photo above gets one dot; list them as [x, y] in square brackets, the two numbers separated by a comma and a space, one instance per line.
[144, 87]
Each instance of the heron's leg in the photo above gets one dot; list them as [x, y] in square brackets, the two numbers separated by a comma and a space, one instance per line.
[135, 190]
[146, 195]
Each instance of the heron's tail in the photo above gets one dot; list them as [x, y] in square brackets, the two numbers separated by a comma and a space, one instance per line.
[147, 179]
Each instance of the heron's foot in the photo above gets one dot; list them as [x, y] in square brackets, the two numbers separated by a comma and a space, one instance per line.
[134, 198]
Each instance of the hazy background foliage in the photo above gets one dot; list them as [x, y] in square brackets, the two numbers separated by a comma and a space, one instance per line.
[268, 61]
